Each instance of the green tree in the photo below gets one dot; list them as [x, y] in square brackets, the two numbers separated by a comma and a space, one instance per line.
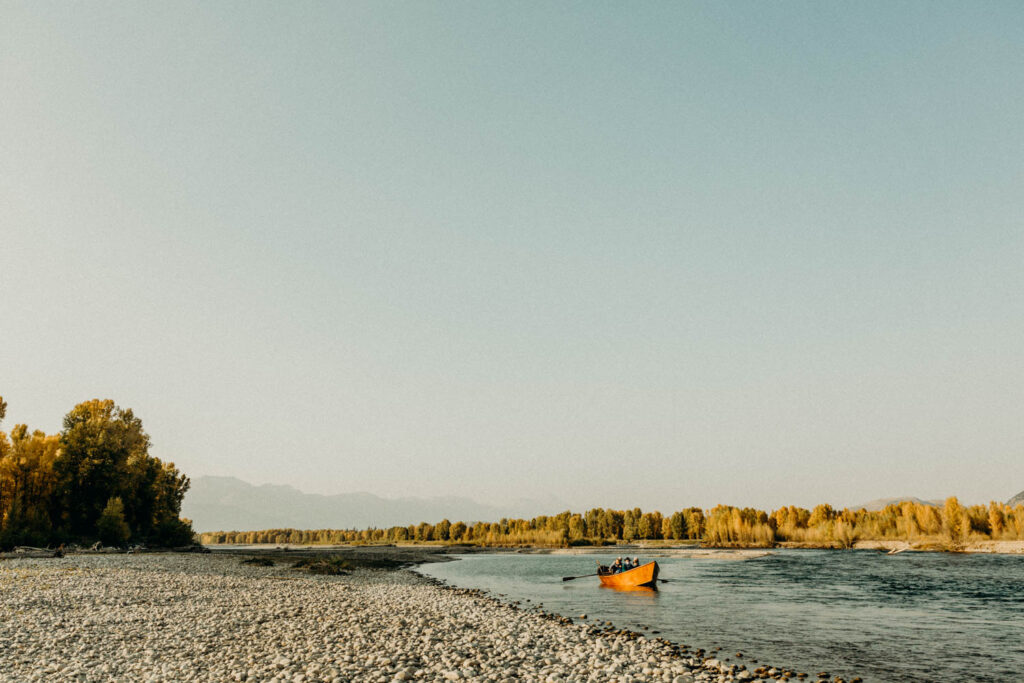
[111, 526]
[100, 444]
[104, 455]
[163, 503]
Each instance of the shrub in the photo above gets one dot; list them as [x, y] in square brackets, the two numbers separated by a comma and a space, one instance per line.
[173, 533]
[111, 527]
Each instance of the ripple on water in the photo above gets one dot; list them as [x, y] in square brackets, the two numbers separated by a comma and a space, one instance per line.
[906, 617]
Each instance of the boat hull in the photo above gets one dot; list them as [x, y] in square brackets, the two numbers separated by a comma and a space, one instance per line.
[644, 575]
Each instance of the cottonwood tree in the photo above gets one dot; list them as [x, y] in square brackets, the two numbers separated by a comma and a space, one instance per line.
[953, 522]
[101, 444]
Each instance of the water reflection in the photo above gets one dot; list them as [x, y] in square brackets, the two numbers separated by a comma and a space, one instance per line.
[650, 591]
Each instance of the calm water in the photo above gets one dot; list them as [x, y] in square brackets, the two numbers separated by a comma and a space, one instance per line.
[905, 617]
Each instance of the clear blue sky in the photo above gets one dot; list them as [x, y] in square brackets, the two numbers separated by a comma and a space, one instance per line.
[653, 254]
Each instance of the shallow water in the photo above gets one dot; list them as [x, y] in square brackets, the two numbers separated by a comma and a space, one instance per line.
[906, 617]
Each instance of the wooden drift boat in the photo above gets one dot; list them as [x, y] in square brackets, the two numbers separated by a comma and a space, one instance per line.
[644, 575]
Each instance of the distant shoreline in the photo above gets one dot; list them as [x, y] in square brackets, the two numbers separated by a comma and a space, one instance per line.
[436, 552]
[982, 547]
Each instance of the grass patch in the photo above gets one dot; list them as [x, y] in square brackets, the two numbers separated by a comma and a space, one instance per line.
[591, 542]
[330, 566]
[334, 566]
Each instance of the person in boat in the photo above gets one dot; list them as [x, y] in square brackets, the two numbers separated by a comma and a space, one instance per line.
[627, 564]
[636, 561]
[613, 568]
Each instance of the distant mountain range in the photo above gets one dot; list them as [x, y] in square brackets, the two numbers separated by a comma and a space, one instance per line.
[230, 504]
[880, 503]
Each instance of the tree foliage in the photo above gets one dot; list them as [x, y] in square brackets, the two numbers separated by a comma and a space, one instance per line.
[57, 488]
[111, 528]
[723, 525]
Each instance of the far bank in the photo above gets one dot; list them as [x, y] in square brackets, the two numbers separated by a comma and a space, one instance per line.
[415, 553]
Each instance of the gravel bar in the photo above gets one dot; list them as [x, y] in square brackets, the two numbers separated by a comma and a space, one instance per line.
[177, 617]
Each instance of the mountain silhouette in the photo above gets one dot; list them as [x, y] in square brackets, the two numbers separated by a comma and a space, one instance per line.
[230, 504]
[880, 503]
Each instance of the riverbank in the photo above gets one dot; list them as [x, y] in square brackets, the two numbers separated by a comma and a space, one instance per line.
[419, 554]
[987, 547]
[174, 617]
[438, 552]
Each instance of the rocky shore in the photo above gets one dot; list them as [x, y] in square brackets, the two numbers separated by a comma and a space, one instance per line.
[178, 617]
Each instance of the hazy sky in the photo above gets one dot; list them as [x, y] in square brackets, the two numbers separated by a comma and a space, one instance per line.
[655, 254]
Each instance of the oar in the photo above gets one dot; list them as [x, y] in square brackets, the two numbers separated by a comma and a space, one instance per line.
[570, 578]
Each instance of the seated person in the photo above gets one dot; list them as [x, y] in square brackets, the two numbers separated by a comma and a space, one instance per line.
[636, 561]
[627, 564]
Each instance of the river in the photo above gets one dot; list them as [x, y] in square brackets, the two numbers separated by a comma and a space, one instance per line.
[886, 618]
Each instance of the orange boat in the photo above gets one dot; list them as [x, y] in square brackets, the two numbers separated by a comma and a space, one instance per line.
[644, 575]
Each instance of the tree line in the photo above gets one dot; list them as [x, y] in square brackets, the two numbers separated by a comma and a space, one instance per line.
[94, 481]
[951, 526]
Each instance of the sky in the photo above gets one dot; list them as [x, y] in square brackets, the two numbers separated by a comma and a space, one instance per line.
[646, 254]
